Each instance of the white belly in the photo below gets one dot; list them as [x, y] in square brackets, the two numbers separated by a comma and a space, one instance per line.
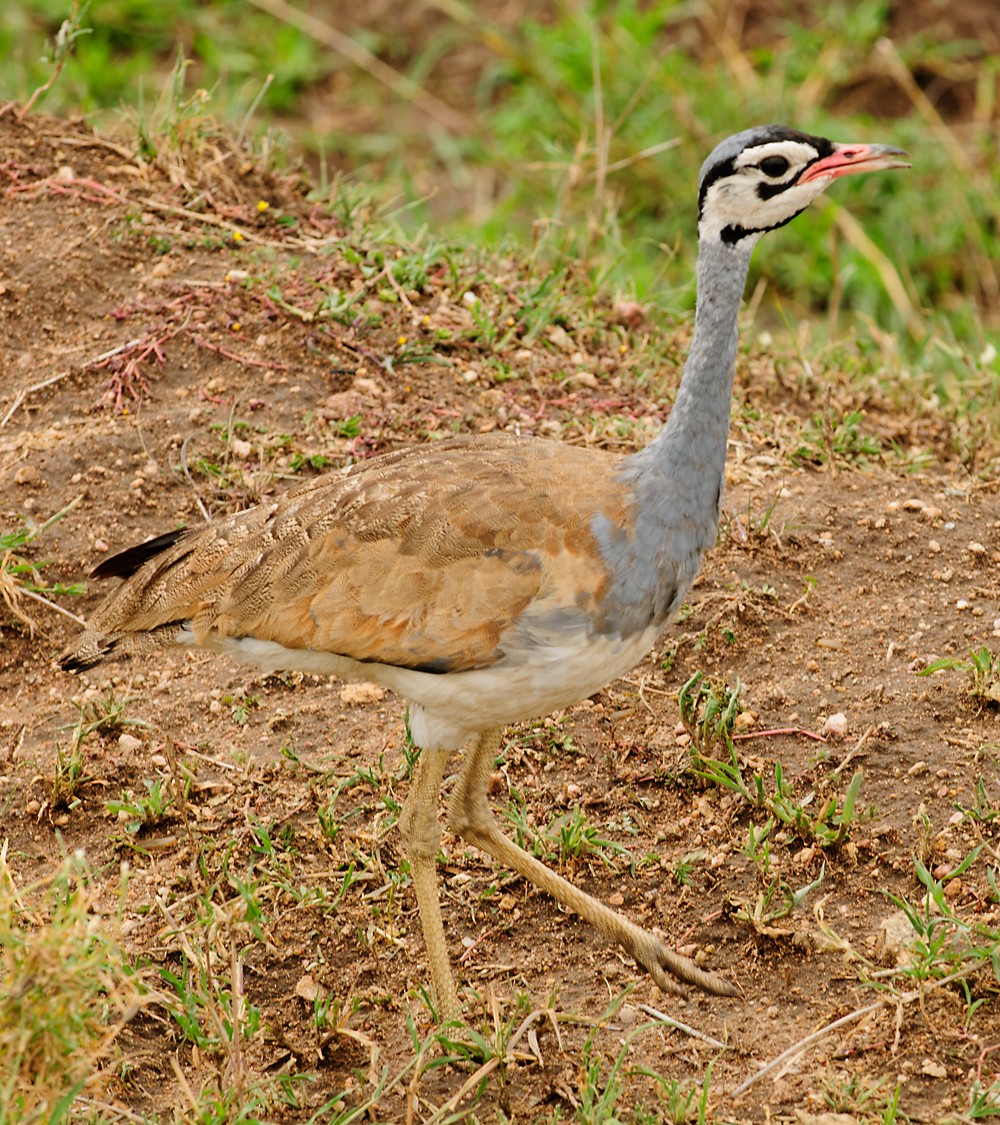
[447, 709]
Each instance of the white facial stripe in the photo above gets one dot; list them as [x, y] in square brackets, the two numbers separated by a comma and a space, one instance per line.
[797, 153]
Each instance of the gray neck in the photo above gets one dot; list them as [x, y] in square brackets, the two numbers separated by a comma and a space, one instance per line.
[691, 449]
[678, 477]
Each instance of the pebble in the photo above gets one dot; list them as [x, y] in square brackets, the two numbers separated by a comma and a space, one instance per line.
[933, 546]
[27, 474]
[918, 769]
[975, 548]
[129, 743]
[361, 693]
[836, 725]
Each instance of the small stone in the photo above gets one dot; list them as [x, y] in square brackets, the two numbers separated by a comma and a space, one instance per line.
[836, 725]
[353, 694]
[308, 988]
[918, 769]
[27, 474]
[129, 744]
[933, 1069]
[241, 448]
[933, 546]
[627, 1015]
[975, 548]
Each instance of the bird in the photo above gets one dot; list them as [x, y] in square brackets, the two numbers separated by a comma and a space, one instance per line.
[493, 578]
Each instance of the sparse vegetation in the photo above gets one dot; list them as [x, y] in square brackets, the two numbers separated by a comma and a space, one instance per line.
[20, 576]
[981, 666]
[262, 961]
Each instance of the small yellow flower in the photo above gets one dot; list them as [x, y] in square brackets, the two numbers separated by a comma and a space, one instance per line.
[623, 349]
[237, 236]
[425, 320]
[401, 341]
[262, 205]
[237, 326]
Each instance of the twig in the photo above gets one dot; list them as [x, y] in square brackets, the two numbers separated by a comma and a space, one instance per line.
[194, 487]
[404, 300]
[198, 217]
[24, 593]
[238, 358]
[22, 395]
[857, 748]
[67, 186]
[479, 940]
[804, 1044]
[662, 1017]
[779, 730]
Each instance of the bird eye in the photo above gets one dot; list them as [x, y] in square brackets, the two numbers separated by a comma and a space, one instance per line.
[773, 166]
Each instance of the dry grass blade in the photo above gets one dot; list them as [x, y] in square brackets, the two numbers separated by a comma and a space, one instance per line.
[662, 1017]
[895, 1001]
[856, 235]
[68, 992]
[361, 57]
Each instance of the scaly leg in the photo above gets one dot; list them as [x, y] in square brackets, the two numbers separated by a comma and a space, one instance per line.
[421, 832]
[469, 816]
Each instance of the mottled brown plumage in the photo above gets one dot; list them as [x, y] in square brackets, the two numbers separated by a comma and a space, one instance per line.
[417, 559]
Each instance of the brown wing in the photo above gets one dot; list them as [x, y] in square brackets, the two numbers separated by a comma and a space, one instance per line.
[422, 559]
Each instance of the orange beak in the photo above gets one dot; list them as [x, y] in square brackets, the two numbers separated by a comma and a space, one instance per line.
[846, 160]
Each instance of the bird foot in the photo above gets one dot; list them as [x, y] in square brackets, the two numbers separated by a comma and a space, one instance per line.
[658, 959]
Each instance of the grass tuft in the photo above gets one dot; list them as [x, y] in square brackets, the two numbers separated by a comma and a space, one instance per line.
[68, 991]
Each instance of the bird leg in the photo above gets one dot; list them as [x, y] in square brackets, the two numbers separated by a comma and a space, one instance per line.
[469, 816]
[421, 832]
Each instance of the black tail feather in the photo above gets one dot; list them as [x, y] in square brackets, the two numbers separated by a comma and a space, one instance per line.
[127, 562]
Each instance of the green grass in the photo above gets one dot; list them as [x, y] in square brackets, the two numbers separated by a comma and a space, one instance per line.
[21, 581]
[584, 129]
[68, 990]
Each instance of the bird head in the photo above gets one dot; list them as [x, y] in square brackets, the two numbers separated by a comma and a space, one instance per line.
[762, 178]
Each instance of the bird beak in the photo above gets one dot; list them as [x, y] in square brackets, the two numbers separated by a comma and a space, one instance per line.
[845, 160]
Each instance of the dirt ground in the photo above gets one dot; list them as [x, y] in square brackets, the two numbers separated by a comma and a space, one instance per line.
[184, 373]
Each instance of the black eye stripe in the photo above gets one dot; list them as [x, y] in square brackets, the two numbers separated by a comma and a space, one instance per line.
[769, 191]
